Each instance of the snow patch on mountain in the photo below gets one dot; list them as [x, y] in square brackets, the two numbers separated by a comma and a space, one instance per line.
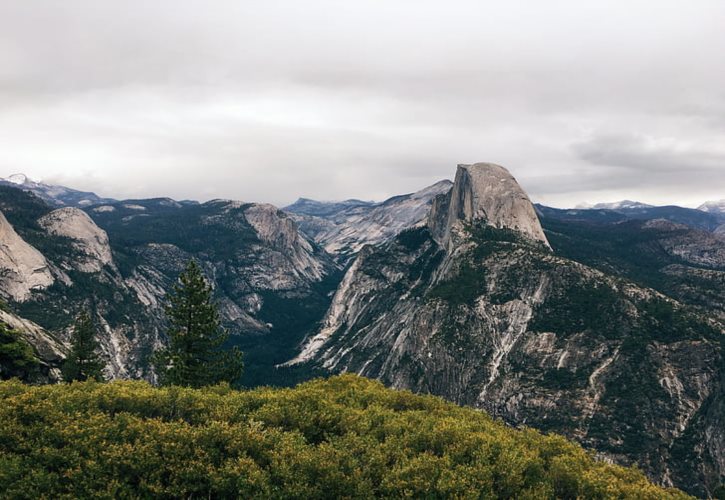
[620, 205]
[713, 207]
[57, 196]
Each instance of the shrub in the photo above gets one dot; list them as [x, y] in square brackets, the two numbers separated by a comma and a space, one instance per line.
[341, 437]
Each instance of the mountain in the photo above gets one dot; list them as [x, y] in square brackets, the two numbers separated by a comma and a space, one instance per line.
[682, 262]
[305, 206]
[687, 216]
[343, 228]
[119, 259]
[52, 194]
[620, 205]
[483, 192]
[474, 306]
[715, 207]
[603, 325]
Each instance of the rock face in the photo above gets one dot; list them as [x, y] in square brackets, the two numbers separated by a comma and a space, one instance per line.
[89, 240]
[49, 351]
[270, 281]
[119, 260]
[476, 308]
[278, 231]
[344, 228]
[484, 192]
[23, 269]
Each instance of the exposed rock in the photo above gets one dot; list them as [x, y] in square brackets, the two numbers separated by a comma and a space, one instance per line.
[88, 239]
[487, 192]
[692, 246]
[23, 269]
[279, 231]
[343, 228]
[49, 350]
[489, 317]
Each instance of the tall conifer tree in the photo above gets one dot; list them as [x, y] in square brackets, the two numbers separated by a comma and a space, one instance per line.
[195, 356]
[82, 362]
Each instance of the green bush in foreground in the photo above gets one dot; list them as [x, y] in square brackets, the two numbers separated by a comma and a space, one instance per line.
[341, 437]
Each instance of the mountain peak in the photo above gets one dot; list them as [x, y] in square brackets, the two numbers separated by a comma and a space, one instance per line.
[19, 179]
[714, 207]
[484, 192]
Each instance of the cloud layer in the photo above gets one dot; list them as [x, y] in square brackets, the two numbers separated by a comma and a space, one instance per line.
[269, 100]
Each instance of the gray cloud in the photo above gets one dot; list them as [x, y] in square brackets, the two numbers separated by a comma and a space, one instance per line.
[270, 100]
[648, 155]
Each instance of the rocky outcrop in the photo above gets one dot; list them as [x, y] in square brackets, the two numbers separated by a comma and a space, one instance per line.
[476, 308]
[484, 192]
[23, 269]
[343, 228]
[90, 241]
[278, 231]
[48, 349]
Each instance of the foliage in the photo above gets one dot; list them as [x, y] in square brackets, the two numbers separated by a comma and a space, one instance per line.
[469, 283]
[577, 306]
[630, 250]
[82, 362]
[342, 437]
[16, 355]
[195, 356]
[464, 288]
[193, 228]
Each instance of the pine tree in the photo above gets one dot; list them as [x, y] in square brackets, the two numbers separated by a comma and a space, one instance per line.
[16, 356]
[195, 356]
[82, 362]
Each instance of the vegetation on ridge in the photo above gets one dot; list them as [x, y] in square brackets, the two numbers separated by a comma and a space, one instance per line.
[16, 355]
[342, 437]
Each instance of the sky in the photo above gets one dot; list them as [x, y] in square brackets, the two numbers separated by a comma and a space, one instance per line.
[268, 101]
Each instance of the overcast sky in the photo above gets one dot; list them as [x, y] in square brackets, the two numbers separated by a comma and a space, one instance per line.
[269, 101]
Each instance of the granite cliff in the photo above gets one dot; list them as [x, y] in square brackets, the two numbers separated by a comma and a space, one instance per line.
[476, 307]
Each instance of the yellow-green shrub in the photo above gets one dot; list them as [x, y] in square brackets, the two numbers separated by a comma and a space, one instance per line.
[341, 437]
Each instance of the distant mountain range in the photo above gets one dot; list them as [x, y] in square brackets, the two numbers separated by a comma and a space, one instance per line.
[59, 196]
[343, 228]
[617, 205]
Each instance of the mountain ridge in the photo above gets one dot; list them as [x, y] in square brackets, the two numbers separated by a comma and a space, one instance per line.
[492, 318]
